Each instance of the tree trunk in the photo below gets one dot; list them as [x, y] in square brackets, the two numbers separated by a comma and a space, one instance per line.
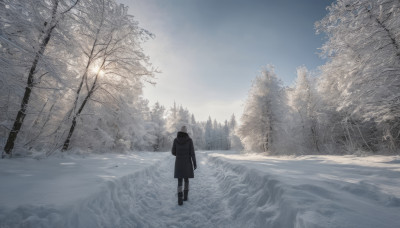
[315, 137]
[28, 89]
[84, 76]
[71, 130]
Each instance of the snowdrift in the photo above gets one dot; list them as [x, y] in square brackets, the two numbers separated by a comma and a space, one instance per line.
[269, 193]
[258, 200]
[117, 204]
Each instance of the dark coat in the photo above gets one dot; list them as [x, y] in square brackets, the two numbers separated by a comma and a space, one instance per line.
[185, 160]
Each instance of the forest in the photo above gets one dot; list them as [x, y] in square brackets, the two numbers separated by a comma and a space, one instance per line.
[72, 74]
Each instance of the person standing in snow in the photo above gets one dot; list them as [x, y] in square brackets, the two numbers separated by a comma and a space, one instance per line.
[185, 162]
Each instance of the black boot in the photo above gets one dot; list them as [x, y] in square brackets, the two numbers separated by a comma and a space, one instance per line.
[185, 195]
[180, 198]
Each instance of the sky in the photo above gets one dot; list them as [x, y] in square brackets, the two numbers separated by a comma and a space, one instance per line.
[209, 51]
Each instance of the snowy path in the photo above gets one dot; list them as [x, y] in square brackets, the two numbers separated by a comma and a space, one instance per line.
[146, 198]
[205, 207]
[229, 190]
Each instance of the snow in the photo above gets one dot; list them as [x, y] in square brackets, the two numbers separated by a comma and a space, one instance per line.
[59, 180]
[312, 191]
[229, 190]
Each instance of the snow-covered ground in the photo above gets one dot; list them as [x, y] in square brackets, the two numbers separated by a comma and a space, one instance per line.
[311, 191]
[229, 190]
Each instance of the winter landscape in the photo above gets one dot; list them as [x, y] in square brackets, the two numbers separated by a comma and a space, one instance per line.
[289, 113]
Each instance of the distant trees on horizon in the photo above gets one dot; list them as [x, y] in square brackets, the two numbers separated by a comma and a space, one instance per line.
[207, 135]
[72, 74]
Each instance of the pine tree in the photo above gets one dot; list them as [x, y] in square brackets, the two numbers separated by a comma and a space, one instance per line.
[157, 119]
[208, 134]
[234, 140]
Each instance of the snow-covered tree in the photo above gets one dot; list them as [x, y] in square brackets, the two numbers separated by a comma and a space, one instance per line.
[78, 68]
[114, 62]
[208, 134]
[234, 140]
[159, 123]
[262, 116]
[232, 122]
[226, 144]
[304, 102]
[216, 136]
[178, 117]
[197, 131]
[364, 64]
[29, 31]
[172, 119]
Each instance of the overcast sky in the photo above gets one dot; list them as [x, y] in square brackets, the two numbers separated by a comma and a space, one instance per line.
[209, 51]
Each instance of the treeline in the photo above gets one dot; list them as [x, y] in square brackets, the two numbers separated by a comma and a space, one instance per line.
[71, 77]
[351, 105]
[72, 74]
[208, 135]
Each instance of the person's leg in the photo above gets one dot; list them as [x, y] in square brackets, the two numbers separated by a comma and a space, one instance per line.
[186, 189]
[180, 194]
[180, 181]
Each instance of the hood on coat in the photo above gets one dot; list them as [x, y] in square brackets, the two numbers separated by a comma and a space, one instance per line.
[182, 137]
